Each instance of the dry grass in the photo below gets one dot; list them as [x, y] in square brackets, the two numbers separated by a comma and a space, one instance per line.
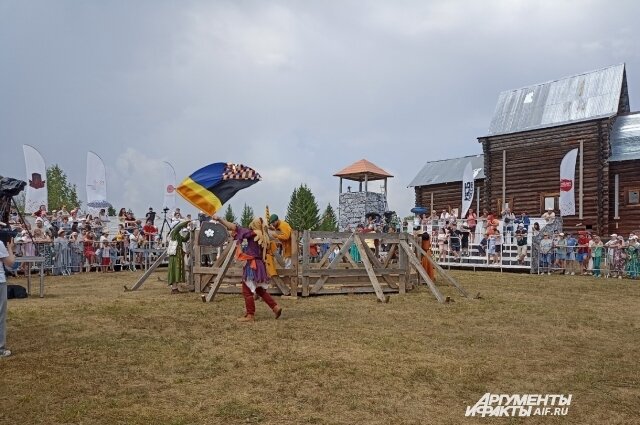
[90, 353]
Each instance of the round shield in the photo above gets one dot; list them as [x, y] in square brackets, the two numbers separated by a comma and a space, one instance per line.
[213, 234]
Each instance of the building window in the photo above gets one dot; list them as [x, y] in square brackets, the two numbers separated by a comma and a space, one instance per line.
[500, 206]
[633, 197]
[549, 200]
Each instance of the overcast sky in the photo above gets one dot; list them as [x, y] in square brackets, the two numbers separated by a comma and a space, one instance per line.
[296, 89]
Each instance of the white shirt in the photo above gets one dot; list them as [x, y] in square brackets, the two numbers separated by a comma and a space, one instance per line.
[133, 241]
[4, 253]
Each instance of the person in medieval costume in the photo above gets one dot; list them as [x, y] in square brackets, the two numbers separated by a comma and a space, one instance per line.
[258, 266]
[178, 235]
[633, 264]
[426, 261]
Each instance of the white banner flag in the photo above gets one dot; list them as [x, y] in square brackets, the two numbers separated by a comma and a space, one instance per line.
[467, 189]
[568, 183]
[96, 184]
[169, 186]
[36, 194]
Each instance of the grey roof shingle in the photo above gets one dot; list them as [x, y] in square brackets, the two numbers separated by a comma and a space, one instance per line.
[581, 97]
[448, 170]
[625, 138]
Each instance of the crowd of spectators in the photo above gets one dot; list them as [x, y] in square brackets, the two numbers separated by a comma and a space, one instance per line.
[72, 242]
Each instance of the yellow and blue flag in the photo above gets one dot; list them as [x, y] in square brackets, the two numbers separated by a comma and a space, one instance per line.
[211, 186]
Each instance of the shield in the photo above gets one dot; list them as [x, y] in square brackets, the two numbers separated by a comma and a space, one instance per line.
[212, 234]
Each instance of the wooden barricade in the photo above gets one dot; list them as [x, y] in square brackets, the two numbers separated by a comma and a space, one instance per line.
[334, 270]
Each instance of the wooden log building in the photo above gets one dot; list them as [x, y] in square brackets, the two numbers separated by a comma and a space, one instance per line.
[535, 126]
[438, 185]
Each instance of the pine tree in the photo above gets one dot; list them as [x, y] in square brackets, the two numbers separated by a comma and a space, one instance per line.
[60, 191]
[302, 212]
[229, 215]
[247, 216]
[329, 222]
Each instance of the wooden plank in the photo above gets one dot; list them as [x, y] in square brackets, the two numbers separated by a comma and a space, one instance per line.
[280, 284]
[305, 262]
[295, 264]
[332, 265]
[443, 273]
[148, 272]
[216, 283]
[360, 271]
[367, 265]
[390, 255]
[421, 271]
[325, 257]
[403, 264]
[377, 264]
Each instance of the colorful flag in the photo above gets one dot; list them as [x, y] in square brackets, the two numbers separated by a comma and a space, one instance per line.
[211, 186]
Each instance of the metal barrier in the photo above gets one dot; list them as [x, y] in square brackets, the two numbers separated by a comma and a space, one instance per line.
[598, 261]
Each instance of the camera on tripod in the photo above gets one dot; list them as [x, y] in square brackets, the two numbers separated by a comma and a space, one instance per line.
[165, 210]
[8, 189]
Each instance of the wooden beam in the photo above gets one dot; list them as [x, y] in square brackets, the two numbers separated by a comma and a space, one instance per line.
[280, 284]
[306, 240]
[225, 266]
[443, 273]
[376, 263]
[369, 268]
[147, 273]
[413, 260]
[332, 265]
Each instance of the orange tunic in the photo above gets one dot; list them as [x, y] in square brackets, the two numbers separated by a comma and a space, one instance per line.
[426, 264]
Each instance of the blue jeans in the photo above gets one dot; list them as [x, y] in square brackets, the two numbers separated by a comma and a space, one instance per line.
[3, 314]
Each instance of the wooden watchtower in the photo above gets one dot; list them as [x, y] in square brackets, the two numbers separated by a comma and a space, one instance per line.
[353, 205]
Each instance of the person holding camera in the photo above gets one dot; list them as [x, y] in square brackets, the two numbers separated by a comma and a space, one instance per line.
[7, 258]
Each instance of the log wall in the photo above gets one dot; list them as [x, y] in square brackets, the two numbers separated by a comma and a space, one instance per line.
[446, 195]
[533, 169]
[629, 214]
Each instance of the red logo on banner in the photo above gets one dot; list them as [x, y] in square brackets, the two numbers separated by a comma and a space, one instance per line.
[36, 181]
[566, 185]
[170, 188]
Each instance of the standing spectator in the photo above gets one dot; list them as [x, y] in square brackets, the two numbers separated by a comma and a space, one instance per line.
[104, 218]
[617, 263]
[442, 244]
[455, 241]
[521, 243]
[472, 222]
[560, 245]
[572, 242]
[596, 255]
[508, 219]
[546, 245]
[549, 216]
[498, 241]
[150, 231]
[6, 259]
[536, 229]
[583, 252]
[151, 215]
[631, 251]
[610, 248]
[122, 215]
[42, 211]
[89, 250]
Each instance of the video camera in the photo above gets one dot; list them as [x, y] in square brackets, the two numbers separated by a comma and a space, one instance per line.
[8, 189]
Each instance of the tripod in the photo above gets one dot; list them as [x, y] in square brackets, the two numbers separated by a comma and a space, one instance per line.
[164, 221]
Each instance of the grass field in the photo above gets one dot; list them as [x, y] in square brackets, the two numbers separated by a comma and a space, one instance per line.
[90, 353]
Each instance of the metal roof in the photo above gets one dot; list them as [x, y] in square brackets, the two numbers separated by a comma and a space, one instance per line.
[581, 97]
[448, 170]
[625, 138]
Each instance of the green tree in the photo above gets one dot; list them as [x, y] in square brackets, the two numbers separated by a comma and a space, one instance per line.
[247, 216]
[302, 212]
[111, 212]
[229, 215]
[60, 190]
[329, 222]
